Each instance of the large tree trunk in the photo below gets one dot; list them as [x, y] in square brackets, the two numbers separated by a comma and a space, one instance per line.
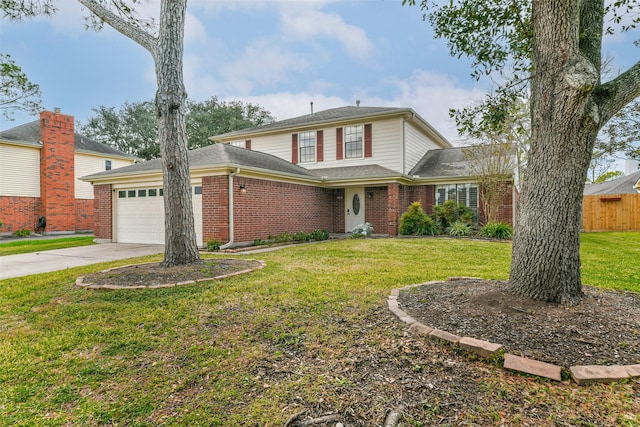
[180, 237]
[564, 124]
[167, 51]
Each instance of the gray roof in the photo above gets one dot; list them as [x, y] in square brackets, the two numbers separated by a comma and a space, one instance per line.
[442, 163]
[621, 185]
[218, 155]
[355, 172]
[30, 133]
[326, 116]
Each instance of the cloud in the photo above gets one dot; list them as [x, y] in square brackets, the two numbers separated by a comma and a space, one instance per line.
[262, 63]
[429, 94]
[307, 23]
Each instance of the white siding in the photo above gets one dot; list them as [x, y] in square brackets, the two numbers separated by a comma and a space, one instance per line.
[19, 171]
[386, 146]
[416, 145]
[86, 165]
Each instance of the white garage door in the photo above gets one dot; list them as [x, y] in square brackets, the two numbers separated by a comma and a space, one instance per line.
[140, 215]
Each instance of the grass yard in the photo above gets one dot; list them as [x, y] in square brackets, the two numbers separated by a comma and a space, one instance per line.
[37, 245]
[310, 332]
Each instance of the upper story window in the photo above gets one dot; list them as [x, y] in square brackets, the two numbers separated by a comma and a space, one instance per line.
[307, 146]
[240, 144]
[353, 142]
[107, 165]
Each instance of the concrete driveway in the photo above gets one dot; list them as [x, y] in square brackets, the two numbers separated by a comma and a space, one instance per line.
[60, 259]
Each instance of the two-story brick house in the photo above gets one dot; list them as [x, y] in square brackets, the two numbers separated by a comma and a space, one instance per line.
[40, 163]
[331, 170]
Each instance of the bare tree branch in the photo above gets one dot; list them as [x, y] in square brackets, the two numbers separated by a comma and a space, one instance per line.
[128, 29]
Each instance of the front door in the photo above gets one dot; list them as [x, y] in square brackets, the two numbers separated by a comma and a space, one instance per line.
[354, 207]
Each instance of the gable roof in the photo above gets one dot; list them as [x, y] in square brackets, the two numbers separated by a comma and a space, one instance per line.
[333, 115]
[29, 134]
[623, 185]
[216, 155]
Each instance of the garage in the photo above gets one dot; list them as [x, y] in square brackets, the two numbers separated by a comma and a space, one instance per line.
[140, 215]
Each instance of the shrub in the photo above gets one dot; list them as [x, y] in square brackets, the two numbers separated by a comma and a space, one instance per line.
[459, 229]
[0, 224]
[430, 228]
[362, 230]
[450, 212]
[259, 242]
[301, 236]
[413, 220]
[497, 230]
[320, 235]
[213, 245]
[22, 233]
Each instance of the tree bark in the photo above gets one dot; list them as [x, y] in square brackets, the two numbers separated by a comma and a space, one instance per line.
[167, 51]
[568, 107]
[180, 237]
[546, 257]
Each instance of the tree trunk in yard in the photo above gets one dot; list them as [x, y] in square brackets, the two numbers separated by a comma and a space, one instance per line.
[167, 51]
[180, 237]
[568, 106]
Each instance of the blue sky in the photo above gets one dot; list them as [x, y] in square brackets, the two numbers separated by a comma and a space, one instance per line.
[280, 54]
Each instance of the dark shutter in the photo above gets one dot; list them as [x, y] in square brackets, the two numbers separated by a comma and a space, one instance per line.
[339, 145]
[294, 148]
[368, 150]
[320, 145]
[247, 144]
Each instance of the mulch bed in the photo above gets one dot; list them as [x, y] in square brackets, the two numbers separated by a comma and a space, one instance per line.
[604, 329]
[154, 275]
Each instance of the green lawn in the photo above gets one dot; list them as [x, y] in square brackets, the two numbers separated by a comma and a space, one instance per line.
[37, 245]
[309, 332]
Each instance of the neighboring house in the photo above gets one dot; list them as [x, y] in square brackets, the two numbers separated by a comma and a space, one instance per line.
[331, 170]
[613, 205]
[40, 163]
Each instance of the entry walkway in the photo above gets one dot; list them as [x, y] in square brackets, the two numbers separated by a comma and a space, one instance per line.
[60, 259]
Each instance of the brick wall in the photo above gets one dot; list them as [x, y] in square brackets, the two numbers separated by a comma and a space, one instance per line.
[266, 208]
[339, 214]
[102, 211]
[57, 189]
[393, 209]
[17, 213]
[375, 208]
[505, 212]
[84, 214]
[270, 208]
[215, 208]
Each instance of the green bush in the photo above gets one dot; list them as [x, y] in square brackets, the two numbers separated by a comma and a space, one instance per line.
[22, 233]
[459, 229]
[497, 230]
[430, 228]
[413, 220]
[0, 224]
[213, 245]
[320, 235]
[259, 242]
[450, 212]
[301, 236]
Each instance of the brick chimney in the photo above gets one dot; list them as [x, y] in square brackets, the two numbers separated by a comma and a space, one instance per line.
[57, 177]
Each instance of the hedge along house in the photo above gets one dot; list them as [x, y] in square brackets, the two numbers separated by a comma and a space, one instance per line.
[330, 170]
[40, 163]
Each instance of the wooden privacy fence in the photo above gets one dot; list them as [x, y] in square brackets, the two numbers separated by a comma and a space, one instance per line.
[611, 212]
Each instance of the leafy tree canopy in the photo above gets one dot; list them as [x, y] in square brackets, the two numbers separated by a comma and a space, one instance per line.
[17, 92]
[133, 127]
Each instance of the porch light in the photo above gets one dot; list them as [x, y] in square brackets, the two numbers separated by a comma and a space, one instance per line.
[369, 194]
[243, 189]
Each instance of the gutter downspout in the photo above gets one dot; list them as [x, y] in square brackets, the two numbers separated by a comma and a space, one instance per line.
[230, 242]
